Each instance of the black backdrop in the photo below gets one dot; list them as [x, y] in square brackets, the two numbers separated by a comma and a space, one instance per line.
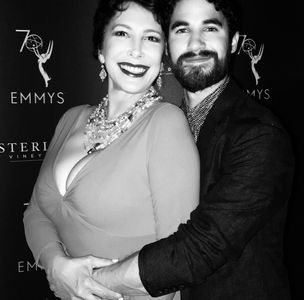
[268, 65]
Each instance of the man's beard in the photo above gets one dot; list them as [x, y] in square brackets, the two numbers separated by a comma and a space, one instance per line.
[197, 78]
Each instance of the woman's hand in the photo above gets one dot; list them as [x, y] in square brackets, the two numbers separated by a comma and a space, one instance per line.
[70, 278]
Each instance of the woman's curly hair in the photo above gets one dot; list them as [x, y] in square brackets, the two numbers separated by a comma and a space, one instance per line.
[107, 9]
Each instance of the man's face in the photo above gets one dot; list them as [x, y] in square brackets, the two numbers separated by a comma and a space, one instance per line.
[199, 44]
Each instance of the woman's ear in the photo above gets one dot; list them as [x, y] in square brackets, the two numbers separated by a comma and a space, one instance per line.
[101, 57]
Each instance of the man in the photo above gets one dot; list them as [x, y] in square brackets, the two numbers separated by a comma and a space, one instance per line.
[231, 248]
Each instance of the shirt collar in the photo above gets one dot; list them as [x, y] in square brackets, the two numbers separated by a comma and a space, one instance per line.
[197, 115]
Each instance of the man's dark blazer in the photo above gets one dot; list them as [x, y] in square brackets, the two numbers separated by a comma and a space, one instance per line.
[232, 246]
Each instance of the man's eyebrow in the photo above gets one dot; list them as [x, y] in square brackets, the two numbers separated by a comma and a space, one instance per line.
[214, 21]
[178, 23]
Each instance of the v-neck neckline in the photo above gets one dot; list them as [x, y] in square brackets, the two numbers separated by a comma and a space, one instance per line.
[61, 147]
[92, 155]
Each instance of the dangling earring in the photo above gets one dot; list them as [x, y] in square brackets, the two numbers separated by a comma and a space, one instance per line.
[159, 81]
[103, 73]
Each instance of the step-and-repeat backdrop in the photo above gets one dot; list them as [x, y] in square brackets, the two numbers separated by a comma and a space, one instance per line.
[46, 66]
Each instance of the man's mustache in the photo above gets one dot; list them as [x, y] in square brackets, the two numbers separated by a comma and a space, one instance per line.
[201, 53]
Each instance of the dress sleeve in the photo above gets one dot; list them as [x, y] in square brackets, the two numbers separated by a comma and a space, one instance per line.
[173, 170]
[40, 232]
[254, 184]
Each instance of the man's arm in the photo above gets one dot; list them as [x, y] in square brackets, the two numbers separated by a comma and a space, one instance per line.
[122, 276]
[254, 184]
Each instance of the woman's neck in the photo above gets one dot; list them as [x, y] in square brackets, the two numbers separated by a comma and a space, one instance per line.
[120, 102]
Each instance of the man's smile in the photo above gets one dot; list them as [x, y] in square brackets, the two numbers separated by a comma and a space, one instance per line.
[197, 59]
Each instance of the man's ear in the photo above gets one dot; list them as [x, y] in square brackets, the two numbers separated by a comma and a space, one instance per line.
[101, 57]
[234, 42]
[166, 49]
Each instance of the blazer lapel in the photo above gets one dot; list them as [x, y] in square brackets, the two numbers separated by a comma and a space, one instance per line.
[216, 122]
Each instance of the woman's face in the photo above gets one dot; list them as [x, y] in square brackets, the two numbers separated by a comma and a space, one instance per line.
[132, 49]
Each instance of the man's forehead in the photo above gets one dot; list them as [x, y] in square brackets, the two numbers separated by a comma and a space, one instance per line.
[189, 11]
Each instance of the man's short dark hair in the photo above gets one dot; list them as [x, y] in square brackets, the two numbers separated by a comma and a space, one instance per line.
[229, 8]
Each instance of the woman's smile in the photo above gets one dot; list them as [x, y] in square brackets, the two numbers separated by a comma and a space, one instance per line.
[133, 70]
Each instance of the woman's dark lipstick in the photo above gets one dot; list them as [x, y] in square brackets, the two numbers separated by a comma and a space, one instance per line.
[133, 70]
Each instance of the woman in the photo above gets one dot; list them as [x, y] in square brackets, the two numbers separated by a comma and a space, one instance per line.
[119, 175]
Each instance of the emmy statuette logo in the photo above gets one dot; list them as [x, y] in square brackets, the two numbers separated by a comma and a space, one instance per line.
[34, 43]
[249, 47]
[255, 53]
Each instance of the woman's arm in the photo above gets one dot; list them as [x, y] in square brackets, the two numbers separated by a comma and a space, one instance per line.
[174, 181]
[173, 172]
[173, 169]
[41, 234]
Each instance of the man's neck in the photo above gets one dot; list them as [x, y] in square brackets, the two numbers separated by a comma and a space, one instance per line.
[193, 99]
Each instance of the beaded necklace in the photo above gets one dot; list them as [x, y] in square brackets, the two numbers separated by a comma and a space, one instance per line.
[101, 132]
